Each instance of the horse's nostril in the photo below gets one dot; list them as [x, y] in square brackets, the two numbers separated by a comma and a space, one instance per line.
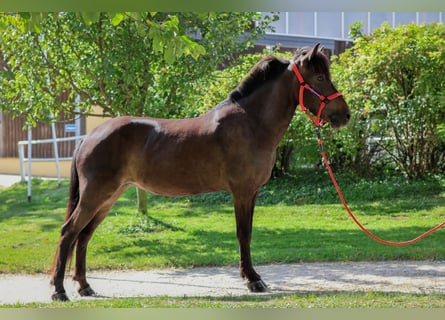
[348, 116]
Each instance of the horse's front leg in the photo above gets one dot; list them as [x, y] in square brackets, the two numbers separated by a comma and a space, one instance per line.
[244, 207]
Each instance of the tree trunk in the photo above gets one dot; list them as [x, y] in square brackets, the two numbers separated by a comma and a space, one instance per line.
[283, 161]
[142, 201]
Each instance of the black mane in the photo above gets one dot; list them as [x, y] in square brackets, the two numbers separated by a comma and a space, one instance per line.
[267, 69]
[270, 67]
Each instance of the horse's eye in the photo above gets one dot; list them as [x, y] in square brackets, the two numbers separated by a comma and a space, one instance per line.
[320, 77]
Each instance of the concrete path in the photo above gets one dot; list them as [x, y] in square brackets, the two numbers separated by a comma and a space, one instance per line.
[404, 276]
[7, 180]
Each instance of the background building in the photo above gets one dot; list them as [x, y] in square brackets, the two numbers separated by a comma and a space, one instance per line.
[297, 29]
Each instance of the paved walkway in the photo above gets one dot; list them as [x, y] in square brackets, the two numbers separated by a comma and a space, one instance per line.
[401, 276]
[7, 180]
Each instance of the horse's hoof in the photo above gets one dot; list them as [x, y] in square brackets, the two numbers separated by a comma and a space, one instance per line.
[59, 296]
[257, 286]
[86, 292]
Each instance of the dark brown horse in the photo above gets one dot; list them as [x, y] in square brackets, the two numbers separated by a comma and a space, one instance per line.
[229, 148]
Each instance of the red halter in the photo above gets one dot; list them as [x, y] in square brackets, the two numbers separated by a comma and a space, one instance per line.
[318, 122]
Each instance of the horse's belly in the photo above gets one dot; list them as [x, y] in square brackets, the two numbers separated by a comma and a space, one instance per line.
[178, 187]
[181, 180]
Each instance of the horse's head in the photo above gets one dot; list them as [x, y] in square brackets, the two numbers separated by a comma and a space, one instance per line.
[317, 94]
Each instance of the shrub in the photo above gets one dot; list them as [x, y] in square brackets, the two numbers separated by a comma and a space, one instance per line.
[393, 81]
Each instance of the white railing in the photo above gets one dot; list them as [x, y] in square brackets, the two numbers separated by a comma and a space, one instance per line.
[30, 159]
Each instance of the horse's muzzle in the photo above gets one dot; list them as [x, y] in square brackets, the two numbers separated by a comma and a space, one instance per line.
[338, 120]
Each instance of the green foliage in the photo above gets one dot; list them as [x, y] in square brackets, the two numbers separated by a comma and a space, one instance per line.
[139, 63]
[356, 30]
[131, 63]
[394, 82]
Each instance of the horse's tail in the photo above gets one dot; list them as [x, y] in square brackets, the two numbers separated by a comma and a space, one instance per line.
[73, 201]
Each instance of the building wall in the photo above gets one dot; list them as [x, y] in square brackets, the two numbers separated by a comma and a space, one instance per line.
[289, 42]
[11, 164]
[335, 25]
[12, 130]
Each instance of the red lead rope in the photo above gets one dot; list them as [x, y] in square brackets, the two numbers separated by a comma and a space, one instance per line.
[370, 234]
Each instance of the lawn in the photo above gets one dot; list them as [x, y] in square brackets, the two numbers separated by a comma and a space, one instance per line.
[297, 219]
[301, 301]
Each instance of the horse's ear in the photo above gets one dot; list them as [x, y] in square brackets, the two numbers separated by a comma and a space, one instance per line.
[314, 51]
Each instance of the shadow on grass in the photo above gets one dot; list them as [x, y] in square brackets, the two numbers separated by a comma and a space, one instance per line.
[309, 188]
[212, 248]
[180, 244]
[48, 202]
[371, 197]
[398, 209]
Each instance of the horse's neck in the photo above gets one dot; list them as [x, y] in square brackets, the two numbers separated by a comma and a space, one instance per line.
[274, 106]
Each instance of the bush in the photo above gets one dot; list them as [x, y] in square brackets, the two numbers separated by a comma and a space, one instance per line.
[393, 81]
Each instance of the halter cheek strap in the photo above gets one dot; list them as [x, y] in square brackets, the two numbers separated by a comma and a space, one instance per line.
[318, 121]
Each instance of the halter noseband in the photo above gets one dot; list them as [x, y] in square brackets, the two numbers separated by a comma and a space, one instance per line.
[318, 122]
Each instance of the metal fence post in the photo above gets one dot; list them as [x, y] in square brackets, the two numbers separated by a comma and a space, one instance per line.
[29, 161]
[56, 150]
[22, 160]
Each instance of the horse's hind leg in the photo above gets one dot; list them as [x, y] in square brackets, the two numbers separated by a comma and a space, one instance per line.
[82, 244]
[69, 234]
[66, 244]
[244, 207]
[81, 249]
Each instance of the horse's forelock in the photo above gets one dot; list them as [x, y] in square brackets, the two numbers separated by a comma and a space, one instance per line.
[319, 61]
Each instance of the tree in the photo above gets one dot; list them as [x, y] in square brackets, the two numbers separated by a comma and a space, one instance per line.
[128, 63]
[393, 79]
[144, 64]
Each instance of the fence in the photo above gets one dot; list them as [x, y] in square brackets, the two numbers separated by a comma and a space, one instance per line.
[11, 131]
[29, 143]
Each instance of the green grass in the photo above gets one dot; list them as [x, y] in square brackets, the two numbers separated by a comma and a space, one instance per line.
[302, 301]
[296, 219]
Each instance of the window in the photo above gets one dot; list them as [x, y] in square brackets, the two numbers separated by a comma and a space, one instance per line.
[427, 17]
[405, 18]
[329, 24]
[280, 24]
[301, 23]
[351, 17]
[377, 18]
[336, 24]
